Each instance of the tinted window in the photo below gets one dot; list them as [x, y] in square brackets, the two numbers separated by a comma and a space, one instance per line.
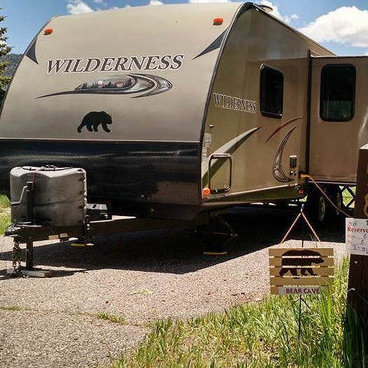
[272, 91]
[337, 92]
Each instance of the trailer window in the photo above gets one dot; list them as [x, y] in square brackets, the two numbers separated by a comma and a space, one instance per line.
[272, 92]
[337, 92]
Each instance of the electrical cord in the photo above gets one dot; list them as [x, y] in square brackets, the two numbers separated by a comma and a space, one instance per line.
[304, 176]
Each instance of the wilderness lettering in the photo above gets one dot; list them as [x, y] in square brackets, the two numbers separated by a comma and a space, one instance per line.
[115, 64]
[234, 103]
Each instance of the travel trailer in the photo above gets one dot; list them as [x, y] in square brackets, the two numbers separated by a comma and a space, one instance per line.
[179, 110]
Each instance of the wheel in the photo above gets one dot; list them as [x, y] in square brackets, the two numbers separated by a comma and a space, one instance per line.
[335, 194]
[322, 209]
[319, 209]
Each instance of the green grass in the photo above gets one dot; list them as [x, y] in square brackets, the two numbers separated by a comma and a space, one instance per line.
[347, 197]
[111, 317]
[4, 213]
[12, 308]
[4, 202]
[256, 335]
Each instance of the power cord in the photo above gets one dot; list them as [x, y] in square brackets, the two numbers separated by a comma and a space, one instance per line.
[304, 176]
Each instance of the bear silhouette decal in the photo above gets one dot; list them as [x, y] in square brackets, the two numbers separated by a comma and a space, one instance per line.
[296, 266]
[94, 119]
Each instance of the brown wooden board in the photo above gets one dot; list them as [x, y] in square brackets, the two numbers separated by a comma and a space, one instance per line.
[279, 252]
[278, 262]
[287, 281]
[304, 290]
[320, 271]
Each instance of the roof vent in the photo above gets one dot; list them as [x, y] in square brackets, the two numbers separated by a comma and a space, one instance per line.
[266, 8]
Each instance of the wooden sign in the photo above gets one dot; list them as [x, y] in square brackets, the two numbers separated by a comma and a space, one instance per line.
[300, 270]
[358, 270]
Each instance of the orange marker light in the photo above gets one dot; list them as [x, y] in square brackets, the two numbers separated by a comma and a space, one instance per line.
[206, 192]
[217, 21]
[48, 31]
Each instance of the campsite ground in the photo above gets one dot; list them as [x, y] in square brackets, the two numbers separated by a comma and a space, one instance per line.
[101, 299]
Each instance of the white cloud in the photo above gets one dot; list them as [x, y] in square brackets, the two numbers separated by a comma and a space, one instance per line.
[289, 18]
[276, 13]
[275, 10]
[156, 2]
[345, 25]
[78, 7]
[208, 1]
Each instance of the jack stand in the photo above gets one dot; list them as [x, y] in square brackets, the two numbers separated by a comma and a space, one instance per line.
[84, 240]
[28, 271]
[219, 248]
[29, 256]
[16, 259]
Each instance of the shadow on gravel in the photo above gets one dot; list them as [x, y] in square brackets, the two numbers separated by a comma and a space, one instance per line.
[179, 251]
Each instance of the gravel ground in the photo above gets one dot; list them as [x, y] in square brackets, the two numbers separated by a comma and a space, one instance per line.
[141, 277]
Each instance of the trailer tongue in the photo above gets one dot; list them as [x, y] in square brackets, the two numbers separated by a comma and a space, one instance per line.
[51, 203]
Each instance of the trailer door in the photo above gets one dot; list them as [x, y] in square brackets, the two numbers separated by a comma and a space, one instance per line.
[338, 117]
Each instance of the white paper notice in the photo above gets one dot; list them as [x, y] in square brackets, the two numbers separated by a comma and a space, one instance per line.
[356, 236]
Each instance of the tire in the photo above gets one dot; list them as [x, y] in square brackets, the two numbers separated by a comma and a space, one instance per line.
[319, 209]
[335, 194]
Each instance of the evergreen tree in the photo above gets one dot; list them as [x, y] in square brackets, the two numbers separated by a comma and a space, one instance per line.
[4, 50]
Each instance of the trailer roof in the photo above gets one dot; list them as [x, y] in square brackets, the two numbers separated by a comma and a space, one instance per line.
[292, 28]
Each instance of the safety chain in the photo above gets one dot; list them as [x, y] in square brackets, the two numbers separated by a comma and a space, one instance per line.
[17, 259]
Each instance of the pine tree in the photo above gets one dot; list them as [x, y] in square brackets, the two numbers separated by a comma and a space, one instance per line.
[4, 50]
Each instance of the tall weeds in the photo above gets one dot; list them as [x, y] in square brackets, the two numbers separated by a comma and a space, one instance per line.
[260, 335]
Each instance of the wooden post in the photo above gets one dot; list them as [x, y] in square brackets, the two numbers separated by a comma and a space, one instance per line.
[358, 271]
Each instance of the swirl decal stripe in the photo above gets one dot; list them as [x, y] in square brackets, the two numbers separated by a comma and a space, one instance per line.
[277, 169]
[31, 52]
[121, 85]
[213, 46]
[282, 126]
[162, 85]
[229, 147]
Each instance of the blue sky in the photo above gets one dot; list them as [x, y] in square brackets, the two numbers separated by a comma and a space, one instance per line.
[341, 26]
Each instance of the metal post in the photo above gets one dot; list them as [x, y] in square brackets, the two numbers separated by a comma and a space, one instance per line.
[300, 320]
[300, 296]
[29, 256]
[17, 258]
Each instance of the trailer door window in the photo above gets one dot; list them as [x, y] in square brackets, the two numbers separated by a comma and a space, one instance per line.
[272, 92]
[337, 92]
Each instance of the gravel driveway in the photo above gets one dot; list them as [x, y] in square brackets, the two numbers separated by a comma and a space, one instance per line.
[142, 277]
